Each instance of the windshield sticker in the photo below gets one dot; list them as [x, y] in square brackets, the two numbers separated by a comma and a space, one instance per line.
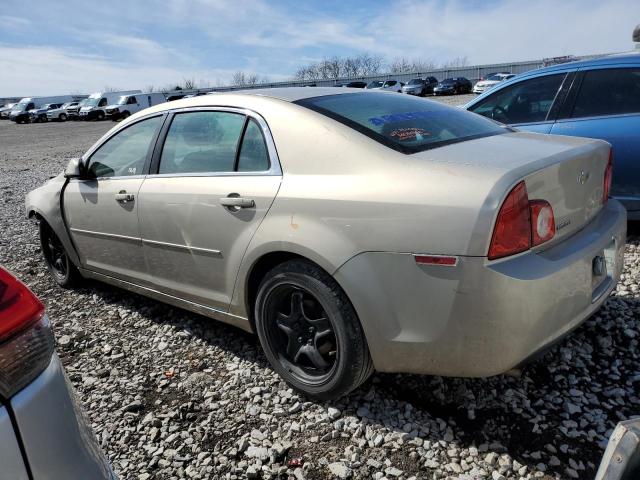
[409, 134]
[401, 117]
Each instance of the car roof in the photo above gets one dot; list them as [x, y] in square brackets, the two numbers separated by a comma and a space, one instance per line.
[615, 59]
[293, 94]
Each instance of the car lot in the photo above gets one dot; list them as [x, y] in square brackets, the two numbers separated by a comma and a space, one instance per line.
[173, 395]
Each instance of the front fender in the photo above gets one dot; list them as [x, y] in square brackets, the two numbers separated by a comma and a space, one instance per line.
[45, 202]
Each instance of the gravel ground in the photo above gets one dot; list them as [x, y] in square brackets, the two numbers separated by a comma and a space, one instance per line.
[174, 395]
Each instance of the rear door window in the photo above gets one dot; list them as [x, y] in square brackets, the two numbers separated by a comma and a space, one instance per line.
[528, 101]
[614, 91]
[403, 122]
[200, 142]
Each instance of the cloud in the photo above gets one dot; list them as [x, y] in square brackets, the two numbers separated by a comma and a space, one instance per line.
[151, 42]
[14, 23]
[35, 70]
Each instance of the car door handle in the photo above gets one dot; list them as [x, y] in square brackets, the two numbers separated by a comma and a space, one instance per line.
[123, 196]
[237, 202]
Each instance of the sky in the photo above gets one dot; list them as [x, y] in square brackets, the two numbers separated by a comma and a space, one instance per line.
[52, 47]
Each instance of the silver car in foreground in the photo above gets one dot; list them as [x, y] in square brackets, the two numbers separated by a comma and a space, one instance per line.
[43, 434]
[352, 230]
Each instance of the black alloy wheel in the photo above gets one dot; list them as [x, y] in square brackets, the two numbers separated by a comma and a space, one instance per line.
[310, 332]
[301, 332]
[60, 266]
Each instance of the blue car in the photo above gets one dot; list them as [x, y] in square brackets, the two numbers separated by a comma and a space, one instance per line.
[591, 98]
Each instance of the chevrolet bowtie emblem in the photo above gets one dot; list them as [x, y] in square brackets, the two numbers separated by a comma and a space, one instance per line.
[583, 177]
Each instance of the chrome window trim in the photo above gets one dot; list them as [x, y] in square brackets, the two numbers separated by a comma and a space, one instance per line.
[275, 169]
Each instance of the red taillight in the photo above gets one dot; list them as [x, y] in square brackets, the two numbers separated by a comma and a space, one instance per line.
[543, 223]
[608, 174]
[512, 233]
[26, 341]
[19, 307]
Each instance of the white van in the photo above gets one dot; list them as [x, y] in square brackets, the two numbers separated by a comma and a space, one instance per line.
[20, 111]
[130, 104]
[95, 106]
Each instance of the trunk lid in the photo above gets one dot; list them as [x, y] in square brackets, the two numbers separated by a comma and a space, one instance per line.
[567, 172]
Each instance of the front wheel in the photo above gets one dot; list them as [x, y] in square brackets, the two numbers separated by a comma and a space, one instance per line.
[100, 115]
[310, 332]
[63, 271]
[63, 117]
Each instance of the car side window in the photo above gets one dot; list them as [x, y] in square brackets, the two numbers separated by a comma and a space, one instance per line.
[132, 101]
[614, 91]
[103, 102]
[201, 142]
[125, 153]
[523, 102]
[254, 156]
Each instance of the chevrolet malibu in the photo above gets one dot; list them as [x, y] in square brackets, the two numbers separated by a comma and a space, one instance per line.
[352, 230]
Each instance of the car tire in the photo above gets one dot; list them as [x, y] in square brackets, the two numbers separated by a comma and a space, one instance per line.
[125, 114]
[100, 115]
[62, 117]
[61, 268]
[310, 332]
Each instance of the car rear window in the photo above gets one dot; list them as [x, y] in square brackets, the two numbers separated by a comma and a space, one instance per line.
[402, 122]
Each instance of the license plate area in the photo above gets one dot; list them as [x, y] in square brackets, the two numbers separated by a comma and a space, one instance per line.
[603, 266]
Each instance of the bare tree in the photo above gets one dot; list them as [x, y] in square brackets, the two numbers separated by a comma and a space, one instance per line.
[190, 84]
[335, 67]
[456, 63]
[108, 88]
[149, 89]
[403, 65]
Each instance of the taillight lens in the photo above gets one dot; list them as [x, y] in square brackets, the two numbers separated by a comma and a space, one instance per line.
[512, 233]
[521, 224]
[608, 174]
[543, 223]
[26, 341]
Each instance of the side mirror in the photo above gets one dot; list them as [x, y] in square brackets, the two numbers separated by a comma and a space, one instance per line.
[74, 168]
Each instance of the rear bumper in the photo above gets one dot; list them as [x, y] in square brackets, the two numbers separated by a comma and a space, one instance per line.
[57, 440]
[632, 204]
[481, 318]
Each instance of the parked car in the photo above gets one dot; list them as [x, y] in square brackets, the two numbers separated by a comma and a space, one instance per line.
[130, 104]
[420, 86]
[5, 111]
[491, 81]
[20, 111]
[73, 111]
[38, 115]
[43, 435]
[342, 247]
[95, 106]
[387, 85]
[356, 84]
[592, 98]
[488, 75]
[453, 86]
[61, 114]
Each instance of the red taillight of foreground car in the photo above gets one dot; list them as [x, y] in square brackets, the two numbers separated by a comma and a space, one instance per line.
[608, 174]
[512, 233]
[521, 224]
[19, 307]
[26, 341]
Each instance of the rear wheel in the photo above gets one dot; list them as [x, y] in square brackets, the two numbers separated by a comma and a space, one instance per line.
[310, 332]
[63, 271]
